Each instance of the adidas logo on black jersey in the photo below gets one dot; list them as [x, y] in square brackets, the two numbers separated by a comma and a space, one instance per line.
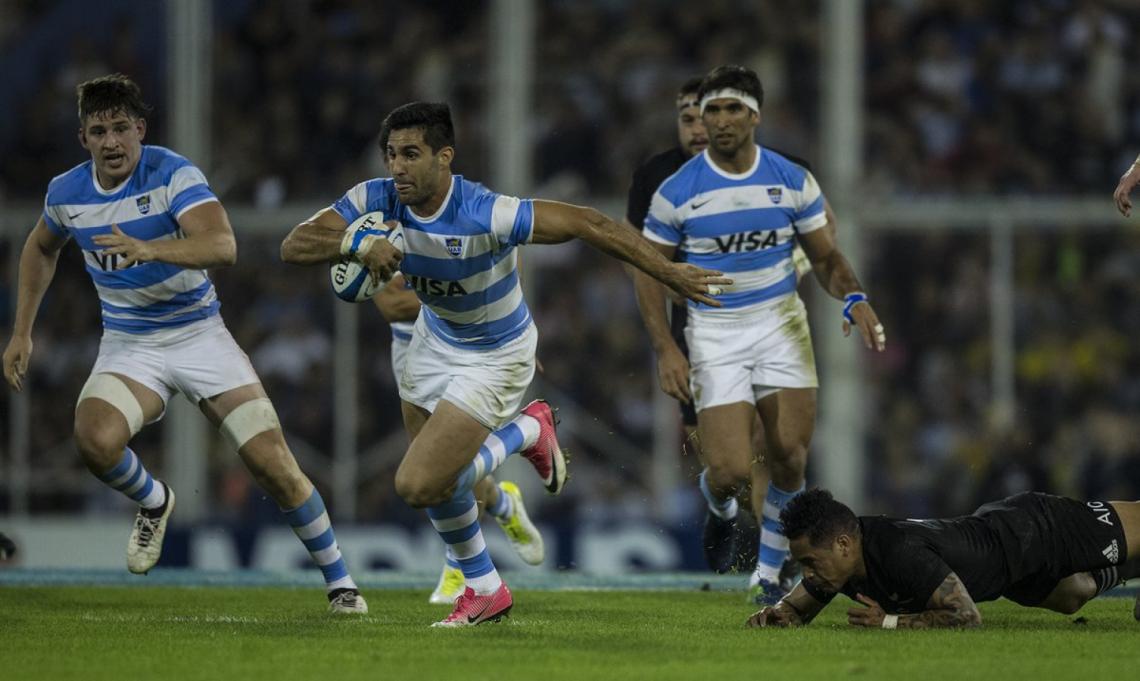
[1112, 552]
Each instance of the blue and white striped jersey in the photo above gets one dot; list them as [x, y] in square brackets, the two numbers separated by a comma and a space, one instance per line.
[461, 261]
[145, 297]
[741, 224]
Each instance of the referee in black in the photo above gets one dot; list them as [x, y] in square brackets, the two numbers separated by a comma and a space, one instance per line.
[728, 544]
[1035, 549]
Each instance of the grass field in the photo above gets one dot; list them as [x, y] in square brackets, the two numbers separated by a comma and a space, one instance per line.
[280, 633]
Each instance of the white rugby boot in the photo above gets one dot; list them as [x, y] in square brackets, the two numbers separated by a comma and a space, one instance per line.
[347, 602]
[450, 587]
[524, 536]
[145, 545]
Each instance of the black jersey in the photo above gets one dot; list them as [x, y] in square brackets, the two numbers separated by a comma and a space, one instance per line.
[1019, 547]
[646, 179]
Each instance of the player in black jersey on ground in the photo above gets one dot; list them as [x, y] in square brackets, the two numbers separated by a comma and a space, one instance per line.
[1035, 549]
[728, 544]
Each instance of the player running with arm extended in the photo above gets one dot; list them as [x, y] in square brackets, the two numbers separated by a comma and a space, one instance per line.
[1037, 550]
[400, 307]
[740, 208]
[149, 226]
[471, 357]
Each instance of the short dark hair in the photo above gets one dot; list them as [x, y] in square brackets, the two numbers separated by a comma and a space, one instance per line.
[691, 86]
[434, 118]
[735, 77]
[818, 515]
[110, 95]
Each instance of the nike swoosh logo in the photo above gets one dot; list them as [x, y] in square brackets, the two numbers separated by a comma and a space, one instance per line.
[471, 618]
[697, 204]
[72, 217]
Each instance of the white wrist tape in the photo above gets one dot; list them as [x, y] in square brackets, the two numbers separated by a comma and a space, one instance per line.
[890, 621]
[114, 392]
[366, 245]
[346, 244]
[248, 420]
[363, 243]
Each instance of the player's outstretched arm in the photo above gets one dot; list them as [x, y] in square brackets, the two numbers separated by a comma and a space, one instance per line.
[396, 302]
[37, 268]
[672, 367]
[1128, 182]
[556, 222]
[794, 610]
[950, 606]
[209, 242]
[321, 239]
[837, 277]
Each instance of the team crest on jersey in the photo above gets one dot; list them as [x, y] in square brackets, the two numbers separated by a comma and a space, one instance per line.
[143, 202]
[454, 245]
[776, 194]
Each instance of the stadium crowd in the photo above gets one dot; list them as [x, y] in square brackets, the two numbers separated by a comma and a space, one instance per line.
[954, 105]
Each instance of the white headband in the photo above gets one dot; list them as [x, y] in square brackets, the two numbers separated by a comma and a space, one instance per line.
[730, 93]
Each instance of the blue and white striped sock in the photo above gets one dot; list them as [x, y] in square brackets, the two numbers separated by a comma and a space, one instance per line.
[726, 508]
[457, 522]
[131, 478]
[520, 433]
[450, 559]
[773, 543]
[502, 508]
[311, 524]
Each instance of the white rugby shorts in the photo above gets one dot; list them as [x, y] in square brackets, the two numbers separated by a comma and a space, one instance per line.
[399, 357]
[747, 360]
[488, 385]
[199, 360]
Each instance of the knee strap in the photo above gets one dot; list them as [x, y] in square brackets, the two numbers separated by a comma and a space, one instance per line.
[114, 392]
[248, 420]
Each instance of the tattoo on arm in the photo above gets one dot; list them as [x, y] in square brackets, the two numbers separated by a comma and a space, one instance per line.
[802, 604]
[949, 606]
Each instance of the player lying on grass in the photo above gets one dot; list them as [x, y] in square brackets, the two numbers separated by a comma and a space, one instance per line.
[1035, 549]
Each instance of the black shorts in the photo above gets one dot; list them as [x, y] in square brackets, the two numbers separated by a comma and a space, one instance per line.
[1047, 538]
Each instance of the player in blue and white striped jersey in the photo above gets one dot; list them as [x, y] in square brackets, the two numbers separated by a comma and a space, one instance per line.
[472, 355]
[741, 208]
[149, 226]
[400, 308]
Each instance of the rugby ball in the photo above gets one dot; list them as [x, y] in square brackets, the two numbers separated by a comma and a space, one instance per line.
[351, 281]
